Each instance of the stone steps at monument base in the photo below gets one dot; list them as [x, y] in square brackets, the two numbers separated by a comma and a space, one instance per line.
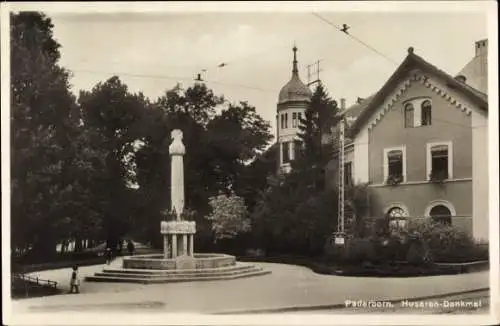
[154, 272]
[173, 274]
[148, 279]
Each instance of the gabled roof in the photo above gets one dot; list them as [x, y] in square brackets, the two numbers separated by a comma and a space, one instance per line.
[411, 62]
[355, 110]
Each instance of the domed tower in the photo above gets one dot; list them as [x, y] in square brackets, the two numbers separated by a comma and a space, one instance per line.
[293, 100]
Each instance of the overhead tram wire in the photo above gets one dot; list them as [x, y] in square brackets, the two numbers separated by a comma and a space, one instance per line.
[173, 78]
[344, 30]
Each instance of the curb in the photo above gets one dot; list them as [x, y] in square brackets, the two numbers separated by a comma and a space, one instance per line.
[342, 305]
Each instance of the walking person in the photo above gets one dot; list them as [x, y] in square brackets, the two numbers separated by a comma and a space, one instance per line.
[109, 255]
[131, 248]
[75, 281]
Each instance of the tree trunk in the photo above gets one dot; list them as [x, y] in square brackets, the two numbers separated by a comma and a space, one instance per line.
[78, 245]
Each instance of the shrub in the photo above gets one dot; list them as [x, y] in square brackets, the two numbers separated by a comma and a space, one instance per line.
[447, 243]
[228, 216]
[360, 250]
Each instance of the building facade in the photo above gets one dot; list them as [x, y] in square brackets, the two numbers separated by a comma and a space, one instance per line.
[421, 144]
[293, 100]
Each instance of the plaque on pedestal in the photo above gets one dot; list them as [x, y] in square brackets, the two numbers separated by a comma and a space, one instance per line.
[185, 262]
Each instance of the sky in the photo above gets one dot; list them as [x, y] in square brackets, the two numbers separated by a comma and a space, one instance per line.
[153, 52]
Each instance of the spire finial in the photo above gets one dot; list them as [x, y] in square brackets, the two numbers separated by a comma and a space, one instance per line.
[295, 70]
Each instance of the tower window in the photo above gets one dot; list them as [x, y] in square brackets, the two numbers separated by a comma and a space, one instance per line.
[299, 115]
[294, 119]
[286, 120]
[297, 144]
[282, 121]
[285, 152]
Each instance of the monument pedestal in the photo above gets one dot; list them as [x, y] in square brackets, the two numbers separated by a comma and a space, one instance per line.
[178, 238]
[185, 262]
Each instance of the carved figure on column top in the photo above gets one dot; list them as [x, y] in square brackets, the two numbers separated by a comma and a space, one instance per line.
[176, 147]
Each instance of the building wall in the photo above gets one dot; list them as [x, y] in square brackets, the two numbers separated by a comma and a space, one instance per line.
[361, 165]
[480, 174]
[419, 197]
[448, 124]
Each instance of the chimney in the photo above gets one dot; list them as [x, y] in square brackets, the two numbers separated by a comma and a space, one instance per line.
[342, 104]
[461, 78]
[482, 47]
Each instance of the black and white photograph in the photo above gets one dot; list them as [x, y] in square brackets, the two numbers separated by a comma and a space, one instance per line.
[250, 163]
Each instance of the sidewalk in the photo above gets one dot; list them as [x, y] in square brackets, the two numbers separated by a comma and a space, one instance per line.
[287, 286]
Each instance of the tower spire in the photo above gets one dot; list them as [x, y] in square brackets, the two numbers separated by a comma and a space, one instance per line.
[295, 71]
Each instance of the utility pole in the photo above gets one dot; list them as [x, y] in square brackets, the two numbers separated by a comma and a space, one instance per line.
[309, 75]
[199, 78]
[340, 235]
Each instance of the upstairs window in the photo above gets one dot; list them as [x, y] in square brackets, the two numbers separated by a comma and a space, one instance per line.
[395, 163]
[426, 113]
[285, 152]
[299, 117]
[294, 119]
[418, 112]
[409, 115]
[439, 163]
[286, 120]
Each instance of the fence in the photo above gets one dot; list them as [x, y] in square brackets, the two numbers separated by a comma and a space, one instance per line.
[24, 285]
[36, 280]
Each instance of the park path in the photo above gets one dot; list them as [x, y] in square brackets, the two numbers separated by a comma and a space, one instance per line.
[287, 286]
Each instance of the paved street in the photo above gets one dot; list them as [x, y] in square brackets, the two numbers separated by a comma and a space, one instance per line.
[287, 286]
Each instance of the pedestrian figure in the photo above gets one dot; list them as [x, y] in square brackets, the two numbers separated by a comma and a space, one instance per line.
[75, 281]
[109, 255]
[131, 248]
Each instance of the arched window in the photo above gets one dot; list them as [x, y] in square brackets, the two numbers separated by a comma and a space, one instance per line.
[426, 113]
[409, 116]
[397, 218]
[441, 213]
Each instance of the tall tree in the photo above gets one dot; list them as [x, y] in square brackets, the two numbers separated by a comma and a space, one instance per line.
[43, 126]
[117, 118]
[321, 115]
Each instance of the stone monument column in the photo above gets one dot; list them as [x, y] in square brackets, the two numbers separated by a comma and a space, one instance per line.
[179, 233]
[177, 151]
